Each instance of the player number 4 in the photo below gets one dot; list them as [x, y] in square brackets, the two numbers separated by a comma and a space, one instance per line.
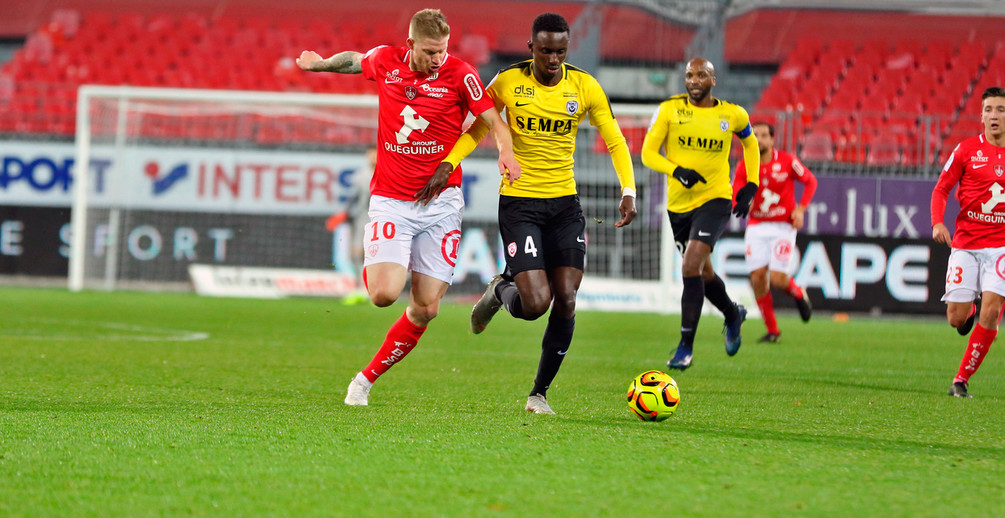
[529, 247]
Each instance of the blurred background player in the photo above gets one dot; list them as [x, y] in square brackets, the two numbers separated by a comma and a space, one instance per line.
[416, 202]
[976, 166]
[770, 237]
[355, 217]
[697, 130]
[540, 216]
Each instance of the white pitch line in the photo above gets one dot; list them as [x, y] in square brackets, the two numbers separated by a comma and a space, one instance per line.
[128, 332]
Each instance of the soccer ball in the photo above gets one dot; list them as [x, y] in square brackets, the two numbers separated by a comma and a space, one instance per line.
[653, 396]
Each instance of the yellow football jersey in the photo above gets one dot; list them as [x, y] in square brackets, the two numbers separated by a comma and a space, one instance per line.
[543, 121]
[698, 138]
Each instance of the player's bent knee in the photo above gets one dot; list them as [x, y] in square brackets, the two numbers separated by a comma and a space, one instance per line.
[383, 300]
[534, 305]
[534, 311]
[422, 315]
[565, 304]
[956, 317]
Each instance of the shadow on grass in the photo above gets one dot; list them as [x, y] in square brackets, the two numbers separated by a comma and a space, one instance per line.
[828, 440]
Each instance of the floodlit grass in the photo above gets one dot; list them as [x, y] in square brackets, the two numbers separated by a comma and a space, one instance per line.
[127, 404]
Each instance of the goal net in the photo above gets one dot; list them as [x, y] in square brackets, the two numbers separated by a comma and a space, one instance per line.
[230, 180]
[232, 186]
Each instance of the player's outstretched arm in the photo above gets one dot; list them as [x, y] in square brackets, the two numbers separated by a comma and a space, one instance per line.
[347, 62]
[435, 184]
[508, 166]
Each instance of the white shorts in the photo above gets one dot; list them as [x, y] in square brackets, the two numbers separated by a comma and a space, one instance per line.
[423, 239]
[972, 272]
[770, 244]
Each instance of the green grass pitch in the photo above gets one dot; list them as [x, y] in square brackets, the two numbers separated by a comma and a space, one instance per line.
[129, 404]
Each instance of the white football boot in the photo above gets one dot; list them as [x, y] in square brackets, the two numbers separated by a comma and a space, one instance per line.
[538, 404]
[359, 391]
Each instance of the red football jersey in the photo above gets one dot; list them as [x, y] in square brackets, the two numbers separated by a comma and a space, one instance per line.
[419, 118]
[776, 193]
[977, 166]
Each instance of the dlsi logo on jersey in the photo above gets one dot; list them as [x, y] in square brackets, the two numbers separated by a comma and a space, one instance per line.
[523, 91]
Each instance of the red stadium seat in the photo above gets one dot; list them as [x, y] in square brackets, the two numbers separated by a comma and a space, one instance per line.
[885, 149]
[817, 147]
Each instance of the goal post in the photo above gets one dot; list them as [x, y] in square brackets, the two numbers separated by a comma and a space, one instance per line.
[175, 185]
[147, 149]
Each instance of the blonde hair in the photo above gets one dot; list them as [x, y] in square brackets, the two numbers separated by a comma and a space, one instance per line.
[428, 24]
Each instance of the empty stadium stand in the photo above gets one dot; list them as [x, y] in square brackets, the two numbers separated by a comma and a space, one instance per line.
[902, 102]
[251, 52]
[879, 94]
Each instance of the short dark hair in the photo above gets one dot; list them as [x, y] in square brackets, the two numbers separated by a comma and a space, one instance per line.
[993, 91]
[549, 22]
[771, 129]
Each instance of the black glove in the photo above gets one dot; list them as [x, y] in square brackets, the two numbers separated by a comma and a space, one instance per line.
[688, 177]
[744, 197]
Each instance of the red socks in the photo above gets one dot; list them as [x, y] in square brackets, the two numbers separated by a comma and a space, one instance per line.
[767, 307]
[794, 290]
[977, 349]
[400, 340]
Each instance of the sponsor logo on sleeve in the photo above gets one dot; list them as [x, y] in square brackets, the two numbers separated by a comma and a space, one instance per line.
[474, 87]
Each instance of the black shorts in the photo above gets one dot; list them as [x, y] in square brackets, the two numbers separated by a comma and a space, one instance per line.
[705, 224]
[542, 233]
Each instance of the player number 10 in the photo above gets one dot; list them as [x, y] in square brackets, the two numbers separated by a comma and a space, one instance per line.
[387, 229]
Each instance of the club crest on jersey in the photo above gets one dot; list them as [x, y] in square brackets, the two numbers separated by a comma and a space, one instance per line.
[724, 125]
[783, 250]
[448, 247]
[572, 107]
[411, 92]
[999, 169]
[511, 249]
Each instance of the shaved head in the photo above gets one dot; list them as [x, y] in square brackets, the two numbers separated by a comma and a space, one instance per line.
[699, 78]
[701, 64]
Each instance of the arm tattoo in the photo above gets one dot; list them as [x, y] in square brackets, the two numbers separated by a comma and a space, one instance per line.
[347, 62]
